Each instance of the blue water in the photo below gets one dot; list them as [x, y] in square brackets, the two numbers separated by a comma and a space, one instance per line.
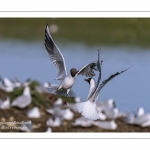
[130, 89]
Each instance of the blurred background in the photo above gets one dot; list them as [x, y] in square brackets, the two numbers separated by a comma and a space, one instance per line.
[123, 42]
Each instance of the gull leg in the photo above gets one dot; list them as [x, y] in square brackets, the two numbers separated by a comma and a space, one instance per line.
[51, 97]
[65, 103]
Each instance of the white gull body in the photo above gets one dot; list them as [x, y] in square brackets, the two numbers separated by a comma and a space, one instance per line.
[23, 100]
[109, 125]
[88, 108]
[34, 113]
[5, 104]
[142, 119]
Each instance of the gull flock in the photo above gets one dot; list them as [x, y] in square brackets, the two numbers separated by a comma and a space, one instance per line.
[93, 111]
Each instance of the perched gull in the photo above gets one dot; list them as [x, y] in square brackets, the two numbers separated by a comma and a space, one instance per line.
[142, 119]
[17, 82]
[88, 108]
[42, 88]
[59, 101]
[77, 99]
[34, 113]
[67, 81]
[7, 85]
[110, 125]
[5, 104]
[72, 106]
[82, 121]
[108, 108]
[101, 115]
[24, 100]
[63, 113]
[49, 130]
[54, 123]
[111, 113]
[107, 104]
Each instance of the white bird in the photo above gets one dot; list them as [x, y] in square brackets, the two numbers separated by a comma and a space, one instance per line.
[140, 111]
[49, 130]
[108, 107]
[67, 81]
[34, 113]
[82, 121]
[54, 123]
[106, 104]
[72, 106]
[59, 101]
[7, 85]
[109, 125]
[111, 113]
[17, 83]
[63, 113]
[101, 115]
[24, 100]
[77, 99]
[5, 104]
[42, 88]
[142, 119]
[88, 108]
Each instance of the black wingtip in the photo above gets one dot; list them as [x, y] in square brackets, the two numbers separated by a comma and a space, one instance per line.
[129, 67]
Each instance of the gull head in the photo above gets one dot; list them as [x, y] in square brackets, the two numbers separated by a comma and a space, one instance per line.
[73, 72]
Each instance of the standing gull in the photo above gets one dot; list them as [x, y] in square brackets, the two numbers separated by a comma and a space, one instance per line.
[67, 81]
[142, 119]
[24, 100]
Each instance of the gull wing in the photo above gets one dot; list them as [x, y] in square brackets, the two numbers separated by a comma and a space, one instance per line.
[88, 70]
[55, 55]
[108, 79]
[98, 64]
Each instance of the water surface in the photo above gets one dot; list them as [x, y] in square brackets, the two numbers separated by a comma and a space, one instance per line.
[130, 89]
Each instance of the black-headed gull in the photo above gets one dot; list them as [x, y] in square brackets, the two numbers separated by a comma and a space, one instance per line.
[5, 104]
[88, 108]
[67, 81]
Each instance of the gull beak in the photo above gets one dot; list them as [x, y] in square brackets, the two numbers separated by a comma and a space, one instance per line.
[86, 80]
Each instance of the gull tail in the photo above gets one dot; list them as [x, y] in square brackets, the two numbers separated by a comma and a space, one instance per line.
[53, 90]
[88, 109]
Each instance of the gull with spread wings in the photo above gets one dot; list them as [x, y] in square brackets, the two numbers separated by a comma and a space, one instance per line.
[88, 109]
[67, 80]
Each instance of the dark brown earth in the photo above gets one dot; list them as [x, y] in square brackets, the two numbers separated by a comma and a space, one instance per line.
[15, 114]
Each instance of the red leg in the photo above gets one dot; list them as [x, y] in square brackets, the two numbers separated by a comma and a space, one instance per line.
[51, 97]
[65, 103]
